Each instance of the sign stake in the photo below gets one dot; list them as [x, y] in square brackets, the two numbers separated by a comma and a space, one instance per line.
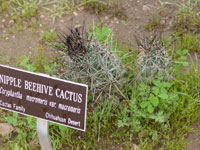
[43, 134]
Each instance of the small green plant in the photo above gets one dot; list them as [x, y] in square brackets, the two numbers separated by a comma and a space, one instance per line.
[3, 5]
[23, 9]
[102, 34]
[153, 22]
[181, 60]
[110, 8]
[24, 13]
[159, 98]
[39, 63]
[187, 16]
[155, 100]
[59, 8]
[26, 64]
[188, 41]
[95, 6]
[48, 36]
[25, 130]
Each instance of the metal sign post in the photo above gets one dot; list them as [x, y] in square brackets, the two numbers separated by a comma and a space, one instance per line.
[43, 134]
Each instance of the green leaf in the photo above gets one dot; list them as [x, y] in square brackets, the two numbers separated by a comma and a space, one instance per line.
[12, 120]
[155, 90]
[163, 96]
[157, 83]
[185, 64]
[183, 58]
[26, 60]
[106, 31]
[98, 30]
[150, 108]
[166, 84]
[184, 52]
[144, 104]
[179, 52]
[153, 100]
[163, 91]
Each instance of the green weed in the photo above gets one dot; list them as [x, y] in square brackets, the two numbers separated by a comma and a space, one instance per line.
[25, 131]
[153, 23]
[188, 41]
[187, 16]
[3, 5]
[59, 8]
[111, 8]
[23, 11]
[39, 63]
[48, 36]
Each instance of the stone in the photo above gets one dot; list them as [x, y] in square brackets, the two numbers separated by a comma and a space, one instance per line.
[138, 18]
[145, 8]
[11, 21]
[42, 16]
[75, 13]
[5, 129]
[162, 22]
[138, 27]
[77, 26]
[1, 26]
[3, 20]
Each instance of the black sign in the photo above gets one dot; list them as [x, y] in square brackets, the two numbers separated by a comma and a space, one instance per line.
[60, 101]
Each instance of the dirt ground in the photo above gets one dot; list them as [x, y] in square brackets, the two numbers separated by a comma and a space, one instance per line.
[15, 44]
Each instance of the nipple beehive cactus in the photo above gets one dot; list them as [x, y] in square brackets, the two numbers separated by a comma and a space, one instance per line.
[91, 62]
[153, 56]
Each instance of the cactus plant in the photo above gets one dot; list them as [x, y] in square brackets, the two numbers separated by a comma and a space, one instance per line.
[153, 56]
[90, 61]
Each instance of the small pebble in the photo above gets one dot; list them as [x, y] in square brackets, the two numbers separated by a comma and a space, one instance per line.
[42, 16]
[138, 17]
[3, 20]
[75, 13]
[145, 8]
[77, 26]
[138, 27]
[162, 22]
[11, 21]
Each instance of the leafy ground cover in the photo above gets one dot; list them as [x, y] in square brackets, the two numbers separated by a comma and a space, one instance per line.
[152, 99]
